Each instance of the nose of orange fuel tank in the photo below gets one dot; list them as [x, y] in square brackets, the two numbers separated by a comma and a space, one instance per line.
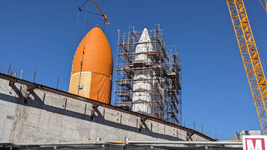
[92, 67]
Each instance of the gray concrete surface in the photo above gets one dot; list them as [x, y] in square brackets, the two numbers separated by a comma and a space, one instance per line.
[49, 117]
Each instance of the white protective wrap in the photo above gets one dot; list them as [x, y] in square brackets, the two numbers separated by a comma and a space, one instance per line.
[142, 100]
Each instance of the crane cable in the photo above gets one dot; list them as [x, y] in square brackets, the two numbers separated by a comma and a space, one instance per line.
[77, 27]
[102, 14]
[83, 4]
[104, 19]
[74, 49]
[85, 26]
[86, 18]
[87, 10]
[91, 12]
[76, 33]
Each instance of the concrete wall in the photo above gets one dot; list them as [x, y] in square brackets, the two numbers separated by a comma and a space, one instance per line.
[49, 117]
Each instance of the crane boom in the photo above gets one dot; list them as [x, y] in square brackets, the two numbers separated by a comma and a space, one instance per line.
[250, 57]
[103, 15]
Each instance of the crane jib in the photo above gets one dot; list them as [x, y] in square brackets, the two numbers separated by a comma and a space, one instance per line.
[250, 57]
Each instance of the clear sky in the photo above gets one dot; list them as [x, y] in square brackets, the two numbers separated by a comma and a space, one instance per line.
[40, 36]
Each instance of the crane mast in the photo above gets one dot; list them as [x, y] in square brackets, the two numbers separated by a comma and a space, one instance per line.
[250, 57]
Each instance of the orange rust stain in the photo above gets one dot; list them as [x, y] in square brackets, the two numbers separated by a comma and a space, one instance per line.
[94, 55]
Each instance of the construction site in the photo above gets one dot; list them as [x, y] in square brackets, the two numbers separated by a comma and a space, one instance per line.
[134, 89]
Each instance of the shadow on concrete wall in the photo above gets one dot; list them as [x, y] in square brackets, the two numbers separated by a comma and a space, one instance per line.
[38, 102]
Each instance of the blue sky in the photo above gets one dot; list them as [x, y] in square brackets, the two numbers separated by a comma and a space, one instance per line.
[40, 36]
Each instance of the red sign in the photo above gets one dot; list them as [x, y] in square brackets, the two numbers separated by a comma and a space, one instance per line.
[254, 142]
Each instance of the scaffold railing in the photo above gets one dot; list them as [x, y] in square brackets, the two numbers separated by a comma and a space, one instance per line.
[148, 75]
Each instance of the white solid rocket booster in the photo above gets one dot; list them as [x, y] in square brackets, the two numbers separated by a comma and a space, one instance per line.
[142, 78]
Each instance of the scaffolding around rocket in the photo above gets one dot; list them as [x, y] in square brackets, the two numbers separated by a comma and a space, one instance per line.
[148, 75]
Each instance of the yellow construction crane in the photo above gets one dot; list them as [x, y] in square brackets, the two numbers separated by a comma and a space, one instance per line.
[250, 57]
[102, 14]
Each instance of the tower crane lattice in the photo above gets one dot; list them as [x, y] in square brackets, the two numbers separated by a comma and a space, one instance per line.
[250, 57]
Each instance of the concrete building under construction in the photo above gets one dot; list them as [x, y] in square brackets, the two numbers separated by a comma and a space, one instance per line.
[148, 75]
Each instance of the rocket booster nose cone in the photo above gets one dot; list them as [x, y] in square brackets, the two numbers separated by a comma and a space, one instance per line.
[92, 67]
[143, 47]
[145, 36]
[95, 54]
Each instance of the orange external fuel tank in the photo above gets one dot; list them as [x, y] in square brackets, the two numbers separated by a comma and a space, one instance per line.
[92, 67]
